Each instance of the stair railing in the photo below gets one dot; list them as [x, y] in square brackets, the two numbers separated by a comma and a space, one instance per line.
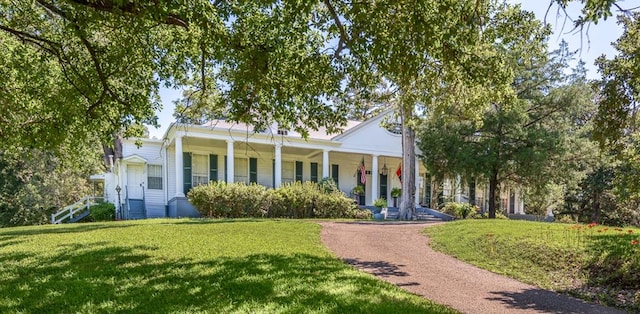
[127, 203]
[68, 212]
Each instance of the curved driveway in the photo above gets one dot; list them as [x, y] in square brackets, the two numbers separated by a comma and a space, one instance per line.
[399, 253]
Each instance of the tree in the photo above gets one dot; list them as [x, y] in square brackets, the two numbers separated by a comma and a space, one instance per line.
[430, 54]
[526, 141]
[73, 69]
[35, 183]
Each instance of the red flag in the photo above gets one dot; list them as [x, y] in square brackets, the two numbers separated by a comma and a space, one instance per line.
[399, 172]
[363, 173]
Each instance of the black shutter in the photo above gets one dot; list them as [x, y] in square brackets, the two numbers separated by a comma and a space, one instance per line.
[314, 172]
[299, 171]
[335, 174]
[253, 170]
[225, 170]
[213, 168]
[273, 173]
[186, 166]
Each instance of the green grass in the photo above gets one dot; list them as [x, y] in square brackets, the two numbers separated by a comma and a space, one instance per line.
[187, 266]
[596, 263]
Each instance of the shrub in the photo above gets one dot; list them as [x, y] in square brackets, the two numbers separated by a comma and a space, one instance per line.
[327, 185]
[102, 212]
[461, 210]
[295, 200]
[234, 200]
[396, 192]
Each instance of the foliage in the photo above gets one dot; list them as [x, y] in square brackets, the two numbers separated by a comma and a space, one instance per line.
[380, 203]
[396, 192]
[565, 258]
[461, 210]
[358, 190]
[103, 212]
[75, 68]
[34, 183]
[527, 140]
[295, 200]
[327, 185]
[220, 199]
[619, 87]
[181, 265]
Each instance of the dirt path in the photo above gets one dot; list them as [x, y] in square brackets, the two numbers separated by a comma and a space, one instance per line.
[398, 253]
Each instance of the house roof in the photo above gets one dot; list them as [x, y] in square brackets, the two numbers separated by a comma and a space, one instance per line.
[320, 134]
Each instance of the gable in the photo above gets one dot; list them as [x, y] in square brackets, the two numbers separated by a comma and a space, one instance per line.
[371, 136]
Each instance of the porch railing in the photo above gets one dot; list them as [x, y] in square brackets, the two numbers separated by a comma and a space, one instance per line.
[73, 210]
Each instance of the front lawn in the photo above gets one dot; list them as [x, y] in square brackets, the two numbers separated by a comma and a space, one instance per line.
[593, 262]
[187, 266]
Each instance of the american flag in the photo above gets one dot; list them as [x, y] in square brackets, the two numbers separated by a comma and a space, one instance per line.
[363, 173]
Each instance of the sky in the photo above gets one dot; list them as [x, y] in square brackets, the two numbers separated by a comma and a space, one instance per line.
[590, 45]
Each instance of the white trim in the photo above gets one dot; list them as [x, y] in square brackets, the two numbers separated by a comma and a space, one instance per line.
[135, 159]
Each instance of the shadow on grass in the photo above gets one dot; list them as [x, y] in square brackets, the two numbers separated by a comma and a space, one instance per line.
[53, 229]
[547, 302]
[100, 278]
[614, 261]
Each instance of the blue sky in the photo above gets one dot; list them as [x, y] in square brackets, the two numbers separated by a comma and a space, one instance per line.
[591, 44]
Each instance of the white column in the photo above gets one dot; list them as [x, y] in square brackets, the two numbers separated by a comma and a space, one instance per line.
[417, 179]
[230, 160]
[278, 166]
[458, 196]
[179, 167]
[325, 163]
[374, 178]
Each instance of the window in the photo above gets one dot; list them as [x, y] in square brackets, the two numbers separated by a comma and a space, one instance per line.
[314, 172]
[200, 169]
[154, 177]
[394, 128]
[240, 170]
[288, 171]
[282, 132]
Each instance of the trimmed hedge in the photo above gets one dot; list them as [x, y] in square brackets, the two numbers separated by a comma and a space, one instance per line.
[295, 200]
[102, 212]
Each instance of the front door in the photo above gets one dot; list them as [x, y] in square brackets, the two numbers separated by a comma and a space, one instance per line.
[383, 186]
[135, 181]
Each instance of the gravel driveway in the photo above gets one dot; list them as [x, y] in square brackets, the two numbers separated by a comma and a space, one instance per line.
[399, 253]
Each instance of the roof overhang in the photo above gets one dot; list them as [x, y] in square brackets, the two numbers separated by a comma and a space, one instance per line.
[134, 159]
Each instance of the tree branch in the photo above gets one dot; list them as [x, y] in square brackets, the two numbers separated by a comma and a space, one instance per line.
[344, 38]
[130, 7]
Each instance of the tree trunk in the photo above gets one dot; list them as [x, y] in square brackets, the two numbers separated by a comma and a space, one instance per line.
[435, 190]
[595, 207]
[407, 203]
[494, 195]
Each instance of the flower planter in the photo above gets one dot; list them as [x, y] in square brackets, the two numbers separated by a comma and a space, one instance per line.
[378, 216]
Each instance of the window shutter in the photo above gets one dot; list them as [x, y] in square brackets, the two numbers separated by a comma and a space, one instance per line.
[335, 174]
[253, 170]
[213, 167]
[225, 170]
[314, 172]
[186, 163]
[273, 173]
[299, 171]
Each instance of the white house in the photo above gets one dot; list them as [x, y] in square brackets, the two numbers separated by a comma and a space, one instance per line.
[152, 180]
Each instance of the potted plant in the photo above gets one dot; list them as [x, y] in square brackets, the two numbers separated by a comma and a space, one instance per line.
[357, 191]
[379, 204]
[395, 193]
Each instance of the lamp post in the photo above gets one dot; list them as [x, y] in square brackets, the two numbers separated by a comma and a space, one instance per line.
[118, 189]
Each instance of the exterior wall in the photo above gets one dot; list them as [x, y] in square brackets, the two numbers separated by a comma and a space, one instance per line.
[153, 153]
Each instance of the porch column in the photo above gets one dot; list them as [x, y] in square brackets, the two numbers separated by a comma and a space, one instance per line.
[325, 164]
[230, 166]
[417, 179]
[374, 178]
[278, 166]
[179, 167]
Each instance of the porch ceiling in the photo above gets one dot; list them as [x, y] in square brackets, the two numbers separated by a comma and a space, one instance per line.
[248, 148]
